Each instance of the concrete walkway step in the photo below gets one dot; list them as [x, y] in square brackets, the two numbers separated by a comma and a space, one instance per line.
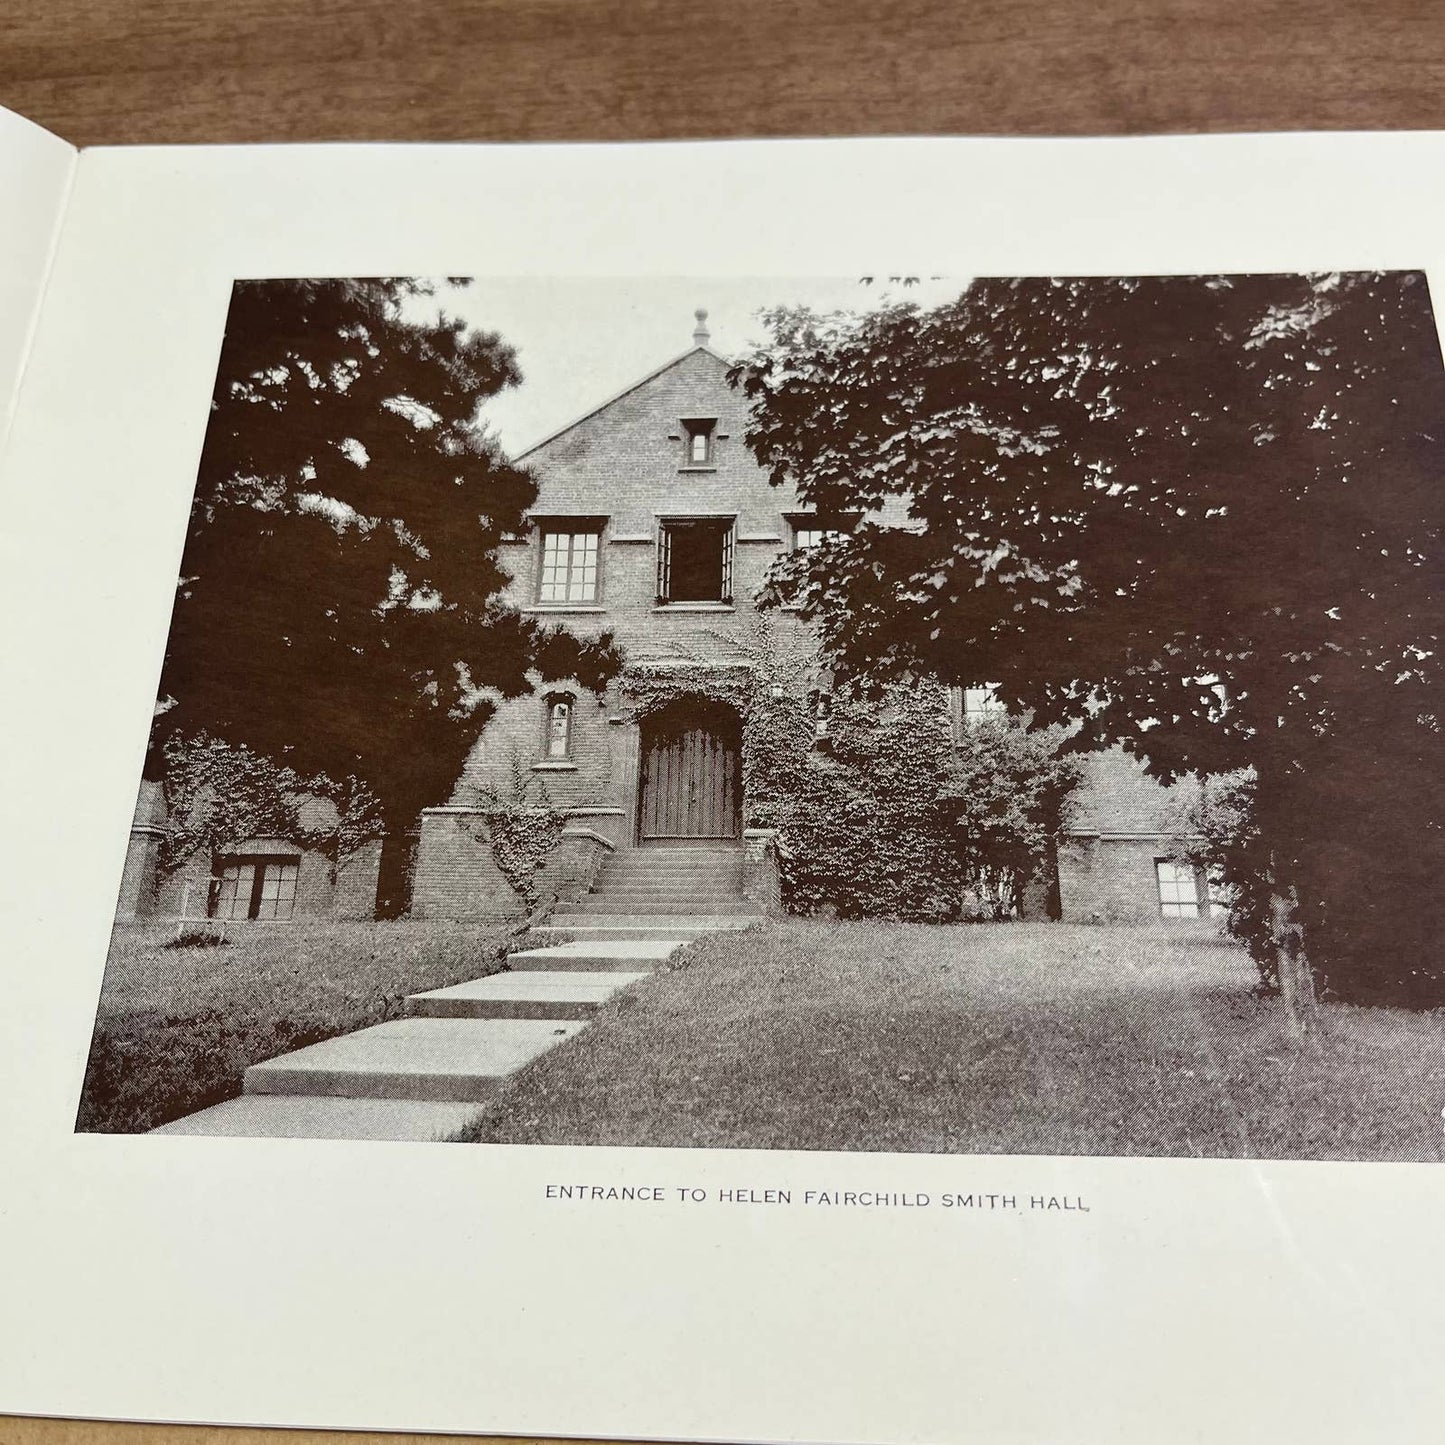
[285, 1116]
[461, 1060]
[633, 954]
[650, 925]
[546, 994]
[633, 904]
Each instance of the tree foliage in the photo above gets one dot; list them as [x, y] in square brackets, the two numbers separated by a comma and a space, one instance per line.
[1008, 792]
[1195, 516]
[340, 604]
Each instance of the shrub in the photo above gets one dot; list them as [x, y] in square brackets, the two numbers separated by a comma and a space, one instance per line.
[197, 938]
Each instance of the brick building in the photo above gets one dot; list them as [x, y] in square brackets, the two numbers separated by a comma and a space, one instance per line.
[653, 522]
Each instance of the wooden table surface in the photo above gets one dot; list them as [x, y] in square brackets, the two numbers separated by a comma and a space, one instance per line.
[118, 71]
[108, 72]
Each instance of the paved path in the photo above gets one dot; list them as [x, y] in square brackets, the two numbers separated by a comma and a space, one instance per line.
[428, 1076]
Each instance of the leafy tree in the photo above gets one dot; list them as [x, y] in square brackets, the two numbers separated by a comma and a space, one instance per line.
[1007, 791]
[340, 604]
[1194, 516]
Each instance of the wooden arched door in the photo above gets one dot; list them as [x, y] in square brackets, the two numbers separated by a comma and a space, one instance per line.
[691, 784]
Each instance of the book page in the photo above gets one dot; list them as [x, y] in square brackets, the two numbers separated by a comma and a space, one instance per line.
[35, 173]
[846, 1143]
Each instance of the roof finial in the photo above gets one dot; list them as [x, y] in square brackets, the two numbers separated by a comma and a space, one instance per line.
[701, 336]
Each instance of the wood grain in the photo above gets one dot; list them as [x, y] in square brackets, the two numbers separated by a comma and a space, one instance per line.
[107, 72]
[110, 72]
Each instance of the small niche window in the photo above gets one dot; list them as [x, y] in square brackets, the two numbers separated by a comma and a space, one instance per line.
[699, 436]
[254, 887]
[1178, 888]
[695, 560]
[558, 742]
[570, 555]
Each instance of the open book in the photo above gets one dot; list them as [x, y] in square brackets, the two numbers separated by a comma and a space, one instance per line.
[750, 791]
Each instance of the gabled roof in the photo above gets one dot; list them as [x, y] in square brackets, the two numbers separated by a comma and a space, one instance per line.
[626, 391]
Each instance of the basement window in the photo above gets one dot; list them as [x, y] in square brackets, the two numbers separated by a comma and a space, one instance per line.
[695, 560]
[1178, 889]
[254, 887]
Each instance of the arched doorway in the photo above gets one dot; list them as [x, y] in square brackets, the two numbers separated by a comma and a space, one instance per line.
[691, 784]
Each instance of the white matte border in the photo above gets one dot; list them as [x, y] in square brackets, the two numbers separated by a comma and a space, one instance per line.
[431, 1287]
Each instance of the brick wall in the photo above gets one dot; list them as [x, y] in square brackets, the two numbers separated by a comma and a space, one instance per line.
[1117, 796]
[145, 891]
[573, 867]
[1110, 880]
[1123, 821]
[357, 874]
[627, 463]
[456, 875]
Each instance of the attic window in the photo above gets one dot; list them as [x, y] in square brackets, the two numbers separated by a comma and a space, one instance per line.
[698, 438]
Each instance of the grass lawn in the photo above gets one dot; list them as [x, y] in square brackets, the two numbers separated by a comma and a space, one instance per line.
[1012, 1038]
[177, 1027]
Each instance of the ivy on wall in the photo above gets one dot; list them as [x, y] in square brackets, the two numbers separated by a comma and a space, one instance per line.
[880, 810]
[219, 795]
[521, 826]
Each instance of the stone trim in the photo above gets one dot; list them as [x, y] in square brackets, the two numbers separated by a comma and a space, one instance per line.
[591, 837]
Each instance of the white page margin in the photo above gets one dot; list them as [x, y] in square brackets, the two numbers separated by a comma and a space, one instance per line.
[401, 1286]
[35, 174]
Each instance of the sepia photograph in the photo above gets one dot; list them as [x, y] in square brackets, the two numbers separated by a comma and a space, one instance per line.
[895, 714]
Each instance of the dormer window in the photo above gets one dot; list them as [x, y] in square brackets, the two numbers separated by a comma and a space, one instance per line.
[699, 437]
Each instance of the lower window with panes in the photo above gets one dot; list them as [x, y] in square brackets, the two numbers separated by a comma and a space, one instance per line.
[1184, 891]
[254, 887]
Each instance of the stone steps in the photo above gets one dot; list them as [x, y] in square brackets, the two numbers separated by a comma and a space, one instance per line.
[641, 955]
[679, 878]
[590, 926]
[544, 994]
[659, 900]
[296, 1116]
[426, 1076]
[638, 905]
[438, 1059]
